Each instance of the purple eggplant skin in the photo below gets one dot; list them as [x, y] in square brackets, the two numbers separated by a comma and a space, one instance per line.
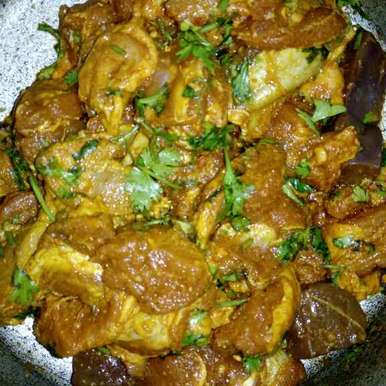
[329, 318]
[99, 369]
[365, 78]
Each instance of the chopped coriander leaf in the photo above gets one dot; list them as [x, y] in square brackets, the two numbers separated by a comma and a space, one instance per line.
[195, 340]
[212, 269]
[104, 350]
[324, 109]
[143, 190]
[308, 119]
[40, 198]
[314, 52]
[369, 118]
[230, 277]
[197, 316]
[1, 251]
[223, 5]
[167, 136]
[360, 194]
[166, 31]
[236, 193]
[336, 270]
[346, 242]
[20, 167]
[293, 185]
[267, 141]
[52, 169]
[212, 139]
[10, 238]
[193, 43]
[358, 40]
[303, 169]
[145, 226]
[71, 77]
[48, 71]
[353, 3]
[75, 37]
[251, 363]
[383, 160]
[231, 303]
[290, 247]
[113, 92]
[64, 193]
[25, 289]
[189, 92]
[240, 223]
[118, 50]
[88, 148]
[240, 81]
[319, 245]
[156, 102]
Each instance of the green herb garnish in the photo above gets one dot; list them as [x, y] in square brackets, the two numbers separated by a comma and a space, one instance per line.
[231, 303]
[156, 102]
[236, 193]
[197, 340]
[346, 242]
[193, 43]
[369, 118]
[150, 169]
[118, 50]
[290, 247]
[303, 169]
[189, 92]
[40, 198]
[313, 53]
[20, 167]
[251, 363]
[25, 289]
[88, 148]
[240, 81]
[293, 185]
[47, 72]
[212, 139]
[71, 77]
[360, 194]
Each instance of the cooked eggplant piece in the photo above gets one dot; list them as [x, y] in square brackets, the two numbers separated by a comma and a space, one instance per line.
[328, 318]
[99, 369]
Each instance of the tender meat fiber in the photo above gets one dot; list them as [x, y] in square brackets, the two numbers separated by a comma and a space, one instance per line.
[309, 268]
[258, 326]
[328, 155]
[184, 194]
[99, 369]
[103, 82]
[47, 112]
[163, 270]
[7, 178]
[194, 367]
[364, 244]
[18, 208]
[265, 169]
[85, 234]
[81, 24]
[197, 12]
[318, 27]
